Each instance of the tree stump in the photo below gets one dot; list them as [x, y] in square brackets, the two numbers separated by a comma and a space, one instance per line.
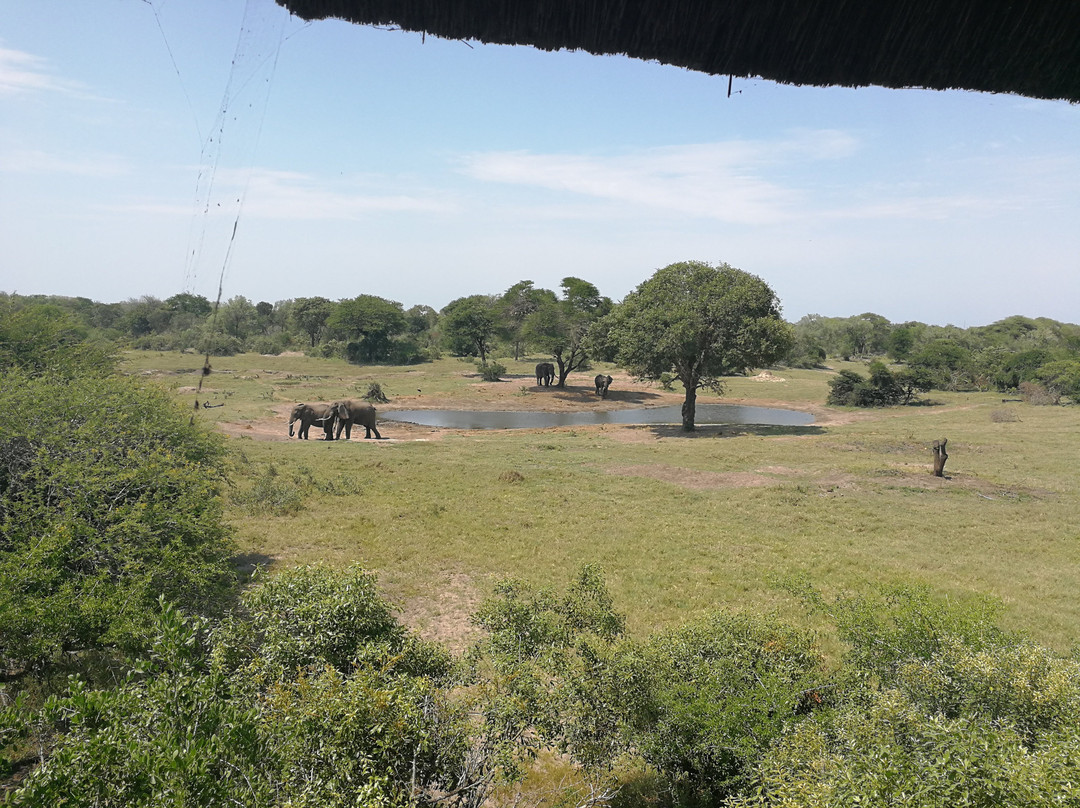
[940, 456]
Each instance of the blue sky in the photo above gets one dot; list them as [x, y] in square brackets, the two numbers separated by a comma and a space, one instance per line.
[354, 160]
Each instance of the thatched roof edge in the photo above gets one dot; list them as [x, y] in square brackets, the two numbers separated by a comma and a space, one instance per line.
[1031, 48]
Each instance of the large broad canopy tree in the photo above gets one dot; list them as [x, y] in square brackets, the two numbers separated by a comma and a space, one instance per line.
[469, 325]
[310, 314]
[371, 323]
[699, 323]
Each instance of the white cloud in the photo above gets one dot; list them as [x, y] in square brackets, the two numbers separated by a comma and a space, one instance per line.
[722, 181]
[22, 72]
[291, 195]
[30, 161]
[274, 194]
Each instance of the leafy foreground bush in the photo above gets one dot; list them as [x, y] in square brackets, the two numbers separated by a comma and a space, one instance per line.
[311, 694]
[936, 707]
[108, 499]
[699, 705]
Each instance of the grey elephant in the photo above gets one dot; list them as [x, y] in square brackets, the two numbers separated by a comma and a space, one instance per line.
[308, 414]
[545, 374]
[351, 412]
[602, 383]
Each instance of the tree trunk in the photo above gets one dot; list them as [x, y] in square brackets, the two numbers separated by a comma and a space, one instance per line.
[564, 371]
[689, 408]
[940, 457]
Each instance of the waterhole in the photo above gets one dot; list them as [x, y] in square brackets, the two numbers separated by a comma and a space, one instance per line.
[706, 414]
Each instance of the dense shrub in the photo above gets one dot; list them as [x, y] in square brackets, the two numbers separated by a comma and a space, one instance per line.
[1061, 377]
[42, 339]
[883, 389]
[722, 691]
[218, 343]
[312, 695]
[108, 498]
[168, 734]
[805, 353]
[491, 371]
[935, 706]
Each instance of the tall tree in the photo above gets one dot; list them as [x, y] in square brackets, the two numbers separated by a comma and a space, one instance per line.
[310, 315]
[468, 325]
[699, 323]
[372, 322]
[514, 307]
[560, 327]
[239, 317]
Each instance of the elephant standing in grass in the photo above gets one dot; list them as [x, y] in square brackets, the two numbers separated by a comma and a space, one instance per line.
[351, 412]
[545, 374]
[308, 414]
[602, 384]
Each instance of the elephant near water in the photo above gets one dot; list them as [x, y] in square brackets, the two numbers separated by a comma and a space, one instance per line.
[545, 374]
[351, 412]
[602, 384]
[308, 414]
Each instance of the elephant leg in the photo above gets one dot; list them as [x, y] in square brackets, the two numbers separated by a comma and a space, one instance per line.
[371, 429]
[348, 430]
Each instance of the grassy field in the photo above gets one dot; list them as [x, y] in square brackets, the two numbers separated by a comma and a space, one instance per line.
[681, 524]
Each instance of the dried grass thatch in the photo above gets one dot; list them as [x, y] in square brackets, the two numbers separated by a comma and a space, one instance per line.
[1031, 48]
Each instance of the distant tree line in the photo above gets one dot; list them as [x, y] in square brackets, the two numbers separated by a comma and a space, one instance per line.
[1038, 358]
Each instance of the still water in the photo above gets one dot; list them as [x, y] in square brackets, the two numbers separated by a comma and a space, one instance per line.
[706, 414]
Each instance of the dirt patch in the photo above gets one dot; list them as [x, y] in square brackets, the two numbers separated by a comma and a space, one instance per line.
[446, 618]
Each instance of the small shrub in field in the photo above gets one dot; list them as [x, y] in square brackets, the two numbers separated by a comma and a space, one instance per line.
[219, 344]
[264, 345]
[375, 394]
[511, 477]
[1004, 416]
[667, 381]
[1038, 395]
[491, 372]
[279, 495]
[883, 389]
[271, 494]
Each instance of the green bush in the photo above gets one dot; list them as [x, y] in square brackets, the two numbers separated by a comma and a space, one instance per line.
[883, 389]
[722, 691]
[264, 345]
[218, 343]
[41, 339]
[491, 371]
[934, 705]
[109, 497]
[1062, 377]
[893, 752]
[168, 734]
[316, 616]
[310, 695]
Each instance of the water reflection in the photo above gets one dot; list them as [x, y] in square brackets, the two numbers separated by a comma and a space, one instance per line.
[706, 414]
